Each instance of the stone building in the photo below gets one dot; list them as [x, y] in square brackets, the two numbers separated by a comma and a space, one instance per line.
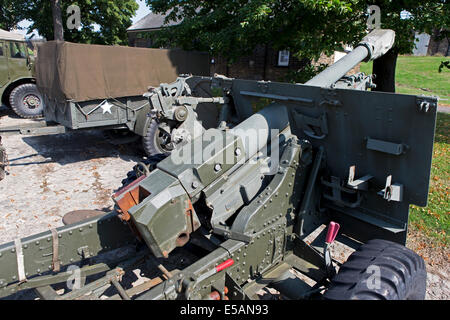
[139, 34]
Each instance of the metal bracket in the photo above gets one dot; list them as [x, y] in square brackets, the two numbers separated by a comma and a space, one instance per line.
[307, 123]
[84, 252]
[386, 147]
[330, 98]
[337, 190]
[425, 103]
[392, 192]
[331, 102]
[303, 101]
[235, 290]
[55, 255]
[226, 232]
[263, 86]
[176, 88]
[358, 184]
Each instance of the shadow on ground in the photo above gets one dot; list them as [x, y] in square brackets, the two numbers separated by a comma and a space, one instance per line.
[74, 146]
[7, 111]
[77, 146]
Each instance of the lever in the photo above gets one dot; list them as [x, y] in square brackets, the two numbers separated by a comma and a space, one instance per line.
[333, 229]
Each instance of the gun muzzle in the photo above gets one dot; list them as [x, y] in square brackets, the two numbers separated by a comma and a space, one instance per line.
[373, 46]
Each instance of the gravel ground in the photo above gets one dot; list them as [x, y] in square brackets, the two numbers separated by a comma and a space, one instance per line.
[51, 175]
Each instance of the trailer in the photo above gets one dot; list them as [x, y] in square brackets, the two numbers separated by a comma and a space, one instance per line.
[104, 87]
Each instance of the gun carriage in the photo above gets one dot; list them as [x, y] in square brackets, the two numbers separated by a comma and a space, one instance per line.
[240, 201]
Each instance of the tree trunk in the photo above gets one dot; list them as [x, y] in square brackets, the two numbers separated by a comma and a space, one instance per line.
[58, 31]
[384, 71]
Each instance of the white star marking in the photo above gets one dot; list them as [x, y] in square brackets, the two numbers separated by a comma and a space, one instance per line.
[106, 107]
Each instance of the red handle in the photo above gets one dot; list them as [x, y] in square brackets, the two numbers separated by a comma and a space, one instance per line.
[224, 265]
[332, 232]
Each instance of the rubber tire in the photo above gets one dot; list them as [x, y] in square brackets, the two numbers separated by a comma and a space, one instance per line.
[148, 141]
[20, 108]
[403, 274]
[151, 161]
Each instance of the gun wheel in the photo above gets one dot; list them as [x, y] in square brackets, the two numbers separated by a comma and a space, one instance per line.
[157, 141]
[380, 270]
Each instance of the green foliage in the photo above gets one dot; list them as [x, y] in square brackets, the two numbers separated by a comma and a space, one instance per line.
[304, 74]
[112, 17]
[444, 64]
[233, 28]
[10, 13]
[305, 27]
[425, 16]
[434, 219]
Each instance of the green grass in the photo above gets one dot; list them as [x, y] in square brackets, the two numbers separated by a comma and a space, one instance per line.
[420, 76]
[434, 220]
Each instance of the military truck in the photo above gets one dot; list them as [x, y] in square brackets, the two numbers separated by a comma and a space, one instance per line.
[17, 82]
[233, 210]
[103, 87]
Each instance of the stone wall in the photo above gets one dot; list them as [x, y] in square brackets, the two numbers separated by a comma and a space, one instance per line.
[262, 64]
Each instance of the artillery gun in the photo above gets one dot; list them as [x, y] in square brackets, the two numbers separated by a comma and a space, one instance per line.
[242, 203]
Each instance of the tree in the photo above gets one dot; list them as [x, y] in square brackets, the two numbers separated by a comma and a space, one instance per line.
[10, 13]
[58, 30]
[233, 28]
[305, 27]
[406, 17]
[102, 21]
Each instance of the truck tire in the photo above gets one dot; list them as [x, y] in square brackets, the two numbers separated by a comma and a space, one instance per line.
[151, 141]
[27, 101]
[380, 270]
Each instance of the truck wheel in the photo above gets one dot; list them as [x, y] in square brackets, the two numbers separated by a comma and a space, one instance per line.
[27, 101]
[380, 270]
[156, 141]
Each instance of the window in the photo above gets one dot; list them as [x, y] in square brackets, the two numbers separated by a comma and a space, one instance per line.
[18, 50]
[283, 58]
[1, 49]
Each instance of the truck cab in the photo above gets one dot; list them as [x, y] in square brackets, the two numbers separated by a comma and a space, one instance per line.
[17, 83]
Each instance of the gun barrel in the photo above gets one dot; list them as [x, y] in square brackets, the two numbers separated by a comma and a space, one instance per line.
[257, 130]
[374, 45]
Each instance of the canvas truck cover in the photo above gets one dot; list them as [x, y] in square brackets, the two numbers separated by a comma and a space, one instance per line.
[82, 72]
[6, 35]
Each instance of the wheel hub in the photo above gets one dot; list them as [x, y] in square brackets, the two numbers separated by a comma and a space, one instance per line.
[163, 140]
[32, 101]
